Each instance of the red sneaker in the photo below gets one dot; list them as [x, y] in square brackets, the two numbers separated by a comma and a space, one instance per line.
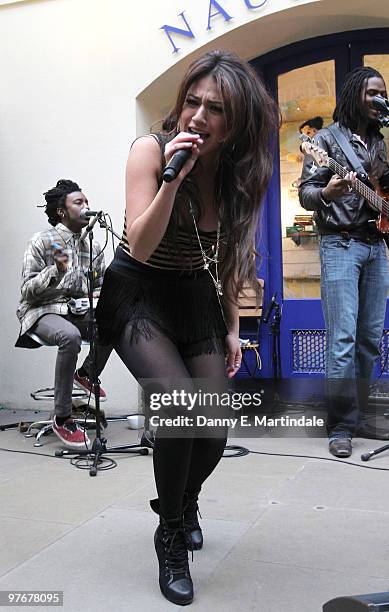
[71, 434]
[84, 384]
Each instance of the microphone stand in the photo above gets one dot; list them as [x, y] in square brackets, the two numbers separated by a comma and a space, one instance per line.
[148, 435]
[99, 447]
[274, 310]
[102, 222]
[275, 333]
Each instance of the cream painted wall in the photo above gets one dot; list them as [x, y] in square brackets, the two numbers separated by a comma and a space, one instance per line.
[80, 78]
[254, 32]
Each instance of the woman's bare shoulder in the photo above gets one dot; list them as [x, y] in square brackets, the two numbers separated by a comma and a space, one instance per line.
[148, 142]
[145, 152]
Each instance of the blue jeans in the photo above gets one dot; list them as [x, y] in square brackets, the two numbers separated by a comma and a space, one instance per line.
[354, 286]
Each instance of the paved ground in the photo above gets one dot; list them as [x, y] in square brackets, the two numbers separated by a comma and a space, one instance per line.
[282, 533]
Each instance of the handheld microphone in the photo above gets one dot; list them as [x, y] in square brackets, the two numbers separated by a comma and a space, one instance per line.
[366, 456]
[381, 104]
[96, 216]
[86, 214]
[269, 309]
[174, 167]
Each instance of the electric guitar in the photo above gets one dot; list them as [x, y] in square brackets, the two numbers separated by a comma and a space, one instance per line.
[376, 200]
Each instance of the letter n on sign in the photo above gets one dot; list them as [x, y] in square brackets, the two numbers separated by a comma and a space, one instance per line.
[169, 30]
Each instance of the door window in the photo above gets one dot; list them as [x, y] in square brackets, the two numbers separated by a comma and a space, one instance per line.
[307, 99]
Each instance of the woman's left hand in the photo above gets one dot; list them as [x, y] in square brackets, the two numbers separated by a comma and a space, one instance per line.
[233, 354]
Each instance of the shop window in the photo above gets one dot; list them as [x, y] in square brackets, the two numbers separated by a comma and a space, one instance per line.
[306, 96]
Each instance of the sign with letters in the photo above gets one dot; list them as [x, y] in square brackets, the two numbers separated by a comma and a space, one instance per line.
[215, 9]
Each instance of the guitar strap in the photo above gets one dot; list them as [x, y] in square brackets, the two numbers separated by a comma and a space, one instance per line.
[352, 159]
[348, 151]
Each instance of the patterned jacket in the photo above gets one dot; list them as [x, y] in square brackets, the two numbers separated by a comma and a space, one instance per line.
[44, 290]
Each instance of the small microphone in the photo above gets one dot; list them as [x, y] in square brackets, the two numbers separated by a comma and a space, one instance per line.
[269, 309]
[177, 162]
[86, 214]
[381, 104]
[366, 456]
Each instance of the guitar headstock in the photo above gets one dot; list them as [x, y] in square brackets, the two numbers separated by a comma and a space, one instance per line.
[309, 148]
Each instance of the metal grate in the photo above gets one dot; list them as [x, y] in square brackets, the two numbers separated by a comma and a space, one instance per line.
[308, 350]
[384, 352]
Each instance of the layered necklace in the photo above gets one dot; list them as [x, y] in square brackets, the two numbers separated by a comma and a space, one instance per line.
[209, 260]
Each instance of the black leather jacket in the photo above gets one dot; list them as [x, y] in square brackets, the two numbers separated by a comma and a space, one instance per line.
[351, 211]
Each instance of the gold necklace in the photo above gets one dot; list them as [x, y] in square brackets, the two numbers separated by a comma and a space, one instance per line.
[214, 259]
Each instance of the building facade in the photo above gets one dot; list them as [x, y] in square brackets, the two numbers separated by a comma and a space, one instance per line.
[83, 78]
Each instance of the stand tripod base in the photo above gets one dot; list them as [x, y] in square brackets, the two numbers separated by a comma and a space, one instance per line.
[99, 449]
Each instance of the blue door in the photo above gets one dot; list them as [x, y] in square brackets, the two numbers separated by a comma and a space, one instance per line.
[305, 79]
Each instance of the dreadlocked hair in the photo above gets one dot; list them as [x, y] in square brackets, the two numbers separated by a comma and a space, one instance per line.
[56, 198]
[245, 161]
[349, 110]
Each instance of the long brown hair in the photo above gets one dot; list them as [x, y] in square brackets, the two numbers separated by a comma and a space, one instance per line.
[245, 161]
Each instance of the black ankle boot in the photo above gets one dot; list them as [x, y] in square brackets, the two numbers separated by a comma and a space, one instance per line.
[171, 548]
[194, 535]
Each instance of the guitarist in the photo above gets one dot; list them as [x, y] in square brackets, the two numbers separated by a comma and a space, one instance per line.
[354, 268]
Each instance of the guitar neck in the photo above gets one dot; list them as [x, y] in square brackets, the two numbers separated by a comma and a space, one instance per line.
[371, 196]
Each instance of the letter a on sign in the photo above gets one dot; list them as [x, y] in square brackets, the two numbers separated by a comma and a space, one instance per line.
[219, 11]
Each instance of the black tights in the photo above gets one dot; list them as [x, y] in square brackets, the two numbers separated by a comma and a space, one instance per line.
[180, 464]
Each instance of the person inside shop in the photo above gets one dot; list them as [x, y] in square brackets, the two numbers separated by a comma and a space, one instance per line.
[310, 127]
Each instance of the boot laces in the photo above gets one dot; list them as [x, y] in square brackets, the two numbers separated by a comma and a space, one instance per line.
[176, 551]
[190, 515]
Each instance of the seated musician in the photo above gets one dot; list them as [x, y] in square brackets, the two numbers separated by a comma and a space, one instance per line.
[55, 270]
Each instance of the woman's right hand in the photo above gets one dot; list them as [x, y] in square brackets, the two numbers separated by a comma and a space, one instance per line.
[184, 140]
